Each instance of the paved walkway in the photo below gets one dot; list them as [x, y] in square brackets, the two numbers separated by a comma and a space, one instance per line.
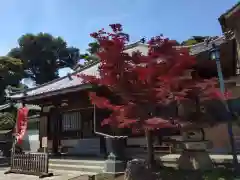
[57, 176]
[64, 175]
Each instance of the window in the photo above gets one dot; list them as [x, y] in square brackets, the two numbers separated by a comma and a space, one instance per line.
[71, 121]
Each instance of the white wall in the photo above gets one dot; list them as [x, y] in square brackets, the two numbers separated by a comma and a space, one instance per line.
[87, 146]
[31, 141]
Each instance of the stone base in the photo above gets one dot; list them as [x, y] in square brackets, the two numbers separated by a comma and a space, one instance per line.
[196, 145]
[114, 166]
[195, 160]
[137, 170]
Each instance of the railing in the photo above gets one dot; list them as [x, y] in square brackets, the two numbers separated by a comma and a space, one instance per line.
[30, 163]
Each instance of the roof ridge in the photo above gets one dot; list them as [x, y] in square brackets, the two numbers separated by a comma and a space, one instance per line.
[57, 79]
[131, 45]
[86, 67]
[195, 45]
[39, 86]
[128, 46]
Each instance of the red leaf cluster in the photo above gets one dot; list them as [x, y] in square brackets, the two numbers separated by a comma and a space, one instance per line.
[145, 82]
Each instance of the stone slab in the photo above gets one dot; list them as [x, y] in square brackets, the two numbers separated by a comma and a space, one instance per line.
[114, 166]
[201, 145]
[195, 160]
[57, 176]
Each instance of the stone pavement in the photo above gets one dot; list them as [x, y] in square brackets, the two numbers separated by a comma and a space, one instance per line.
[57, 176]
[65, 175]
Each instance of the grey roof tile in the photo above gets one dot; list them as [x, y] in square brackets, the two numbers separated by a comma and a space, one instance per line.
[202, 47]
[58, 84]
[4, 106]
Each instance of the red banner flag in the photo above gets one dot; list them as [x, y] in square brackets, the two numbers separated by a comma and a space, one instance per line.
[21, 124]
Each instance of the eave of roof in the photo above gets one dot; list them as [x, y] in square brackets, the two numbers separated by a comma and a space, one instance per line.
[67, 83]
[72, 83]
[224, 18]
[18, 105]
[231, 11]
[5, 106]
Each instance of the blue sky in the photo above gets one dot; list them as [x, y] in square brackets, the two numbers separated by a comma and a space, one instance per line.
[74, 20]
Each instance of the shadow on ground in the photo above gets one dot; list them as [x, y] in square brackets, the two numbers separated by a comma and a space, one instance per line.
[173, 174]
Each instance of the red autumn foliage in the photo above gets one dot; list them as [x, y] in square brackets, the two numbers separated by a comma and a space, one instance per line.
[145, 83]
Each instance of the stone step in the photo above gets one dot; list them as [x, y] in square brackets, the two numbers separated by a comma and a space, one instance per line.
[143, 155]
[79, 168]
[4, 162]
[75, 173]
[87, 162]
[85, 166]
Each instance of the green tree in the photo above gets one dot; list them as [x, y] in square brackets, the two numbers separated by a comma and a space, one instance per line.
[43, 55]
[7, 119]
[93, 47]
[11, 73]
[90, 56]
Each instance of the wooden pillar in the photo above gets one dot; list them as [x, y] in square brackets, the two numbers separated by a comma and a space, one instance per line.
[98, 116]
[56, 124]
[237, 45]
[43, 129]
[103, 148]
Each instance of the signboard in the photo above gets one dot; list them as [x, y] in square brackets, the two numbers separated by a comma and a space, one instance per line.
[44, 142]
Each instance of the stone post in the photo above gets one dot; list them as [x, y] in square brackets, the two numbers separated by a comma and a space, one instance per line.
[194, 155]
[115, 162]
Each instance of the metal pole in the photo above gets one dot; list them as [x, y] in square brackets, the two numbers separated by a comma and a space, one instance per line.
[229, 124]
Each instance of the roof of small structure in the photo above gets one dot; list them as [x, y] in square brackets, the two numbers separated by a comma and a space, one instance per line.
[18, 105]
[72, 83]
[5, 131]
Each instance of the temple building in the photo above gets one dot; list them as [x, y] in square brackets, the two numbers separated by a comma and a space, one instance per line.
[71, 124]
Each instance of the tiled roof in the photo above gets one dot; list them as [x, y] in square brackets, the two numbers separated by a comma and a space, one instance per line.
[58, 84]
[18, 105]
[5, 106]
[72, 81]
[202, 47]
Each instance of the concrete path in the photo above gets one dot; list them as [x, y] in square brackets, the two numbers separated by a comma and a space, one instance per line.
[66, 175]
[57, 176]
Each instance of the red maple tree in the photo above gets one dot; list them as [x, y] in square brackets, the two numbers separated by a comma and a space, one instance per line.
[146, 84]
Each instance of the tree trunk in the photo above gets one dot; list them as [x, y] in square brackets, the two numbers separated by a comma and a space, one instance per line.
[150, 150]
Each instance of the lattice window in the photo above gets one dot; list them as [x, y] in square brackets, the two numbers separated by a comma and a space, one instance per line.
[71, 121]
